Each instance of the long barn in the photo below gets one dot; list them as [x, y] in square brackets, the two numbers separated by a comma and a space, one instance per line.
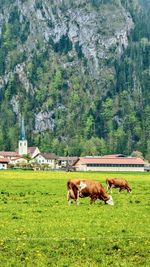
[109, 164]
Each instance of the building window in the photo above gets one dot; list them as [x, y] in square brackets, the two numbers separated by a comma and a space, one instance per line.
[114, 165]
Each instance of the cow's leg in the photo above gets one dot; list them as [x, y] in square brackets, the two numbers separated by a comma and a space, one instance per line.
[72, 194]
[77, 198]
[76, 195]
[69, 197]
[93, 199]
[121, 189]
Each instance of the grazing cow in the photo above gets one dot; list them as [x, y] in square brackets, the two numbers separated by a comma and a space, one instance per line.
[120, 183]
[87, 188]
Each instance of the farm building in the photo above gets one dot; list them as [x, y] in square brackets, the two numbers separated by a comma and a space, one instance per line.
[66, 161]
[109, 164]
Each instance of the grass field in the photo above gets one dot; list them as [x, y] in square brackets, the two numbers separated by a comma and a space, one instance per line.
[38, 228]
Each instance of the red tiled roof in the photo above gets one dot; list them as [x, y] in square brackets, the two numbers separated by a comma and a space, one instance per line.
[31, 149]
[110, 160]
[4, 160]
[17, 158]
[9, 153]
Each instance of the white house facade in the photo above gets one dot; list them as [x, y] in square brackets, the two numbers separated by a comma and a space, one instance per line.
[49, 159]
[18, 160]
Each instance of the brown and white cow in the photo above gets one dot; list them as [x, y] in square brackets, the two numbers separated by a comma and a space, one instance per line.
[120, 183]
[87, 188]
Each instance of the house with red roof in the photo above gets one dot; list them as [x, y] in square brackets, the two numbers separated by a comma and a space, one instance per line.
[3, 163]
[8, 154]
[109, 163]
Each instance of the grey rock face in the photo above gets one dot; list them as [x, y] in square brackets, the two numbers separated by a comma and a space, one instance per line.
[44, 121]
[95, 30]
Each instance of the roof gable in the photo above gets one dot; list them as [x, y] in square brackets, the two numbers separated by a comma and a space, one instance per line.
[31, 149]
[47, 156]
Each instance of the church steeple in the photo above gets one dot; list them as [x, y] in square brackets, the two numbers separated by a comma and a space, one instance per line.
[23, 144]
[22, 132]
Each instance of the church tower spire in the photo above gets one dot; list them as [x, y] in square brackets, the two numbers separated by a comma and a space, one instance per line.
[22, 132]
[23, 144]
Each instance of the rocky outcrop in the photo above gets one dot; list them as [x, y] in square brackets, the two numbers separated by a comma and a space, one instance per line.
[95, 30]
[93, 33]
[44, 121]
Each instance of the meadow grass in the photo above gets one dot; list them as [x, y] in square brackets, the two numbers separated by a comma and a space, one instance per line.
[38, 228]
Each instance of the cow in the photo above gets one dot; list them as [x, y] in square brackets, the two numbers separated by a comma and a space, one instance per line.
[87, 188]
[120, 183]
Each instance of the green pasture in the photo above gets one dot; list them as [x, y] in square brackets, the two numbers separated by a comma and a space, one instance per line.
[38, 228]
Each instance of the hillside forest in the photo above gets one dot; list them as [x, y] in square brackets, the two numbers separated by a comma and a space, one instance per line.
[70, 105]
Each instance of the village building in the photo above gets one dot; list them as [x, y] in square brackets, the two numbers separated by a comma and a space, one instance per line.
[66, 161]
[23, 148]
[49, 159]
[109, 163]
[17, 157]
[18, 160]
[8, 154]
[4, 163]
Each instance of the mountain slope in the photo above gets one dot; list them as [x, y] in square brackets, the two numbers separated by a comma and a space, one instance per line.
[69, 69]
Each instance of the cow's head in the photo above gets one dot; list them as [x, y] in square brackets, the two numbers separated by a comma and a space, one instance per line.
[110, 201]
[129, 190]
